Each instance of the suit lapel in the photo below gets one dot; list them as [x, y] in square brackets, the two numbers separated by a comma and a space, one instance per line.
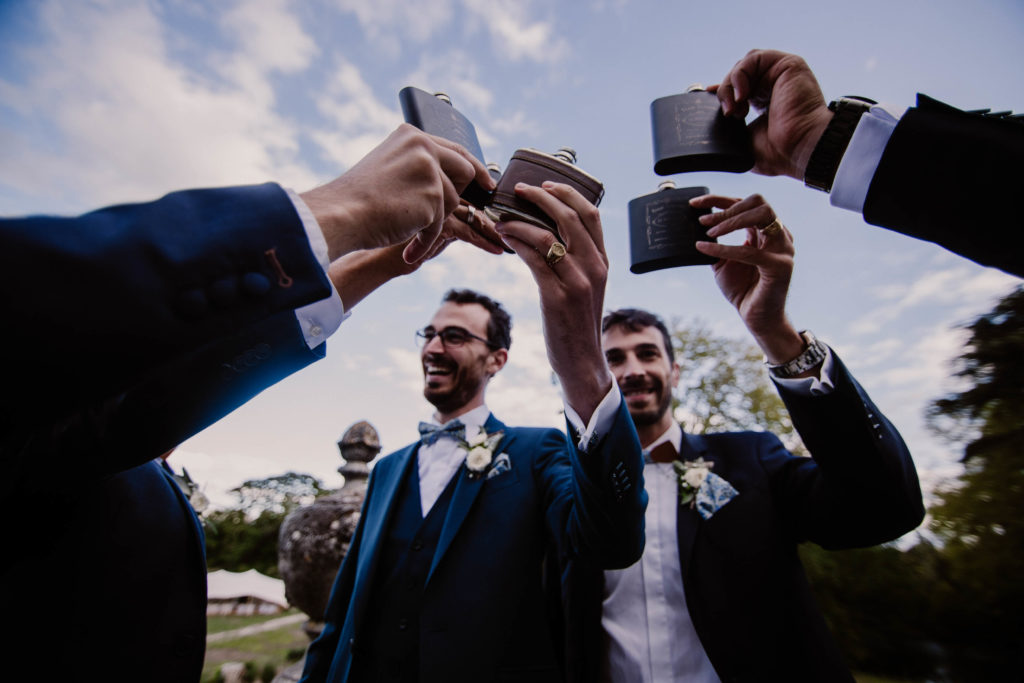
[379, 512]
[187, 509]
[687, 519]
[466, 491]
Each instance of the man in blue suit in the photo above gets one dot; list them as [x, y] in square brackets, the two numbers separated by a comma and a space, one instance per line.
[929, 173]
[444, 577]
[720, 594]
[131, 328]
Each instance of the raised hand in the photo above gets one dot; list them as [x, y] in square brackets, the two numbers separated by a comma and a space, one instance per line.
[571, 283]
[794, 112]
[404, 188]
[754, 276]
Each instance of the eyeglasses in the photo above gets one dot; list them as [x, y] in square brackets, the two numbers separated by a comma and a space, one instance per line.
[451, 337]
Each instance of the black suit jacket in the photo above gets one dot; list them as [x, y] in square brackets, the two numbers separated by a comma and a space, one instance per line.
[745, 587]
[126, 331]
[953, 178]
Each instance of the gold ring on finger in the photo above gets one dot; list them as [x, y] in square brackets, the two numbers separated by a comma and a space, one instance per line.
[556, 252]
[773, 228]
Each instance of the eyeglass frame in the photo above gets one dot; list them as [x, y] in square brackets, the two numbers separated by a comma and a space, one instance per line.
[424, 339]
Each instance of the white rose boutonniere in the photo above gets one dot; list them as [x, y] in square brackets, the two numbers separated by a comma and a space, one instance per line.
[480, 449]
[701, 488]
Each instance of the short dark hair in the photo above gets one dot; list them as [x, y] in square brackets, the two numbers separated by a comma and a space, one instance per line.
[499, 326]
[634, 320]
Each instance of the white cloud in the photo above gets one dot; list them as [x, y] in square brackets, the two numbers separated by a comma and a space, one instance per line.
[505, 278]
[381, 19]
[963, 286]
[516, 35]
[133, 122]
[357, 120]
[512, 32]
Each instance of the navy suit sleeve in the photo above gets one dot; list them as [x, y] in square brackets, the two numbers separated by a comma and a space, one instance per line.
[604, 524]
[861, 487]
[131, 328]
[949, 177]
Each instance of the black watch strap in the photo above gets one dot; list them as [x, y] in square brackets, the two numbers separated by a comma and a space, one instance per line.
[824, 162]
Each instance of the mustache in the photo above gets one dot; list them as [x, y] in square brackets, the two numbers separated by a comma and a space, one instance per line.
[639, 382]
[439, 359]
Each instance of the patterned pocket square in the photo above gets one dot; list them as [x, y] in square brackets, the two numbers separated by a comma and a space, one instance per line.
[713, 494]
[500, 465]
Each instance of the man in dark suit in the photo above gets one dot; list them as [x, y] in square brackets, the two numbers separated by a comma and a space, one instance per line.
[444, 577]
[935, 173]
[720, 594]
[128, 330]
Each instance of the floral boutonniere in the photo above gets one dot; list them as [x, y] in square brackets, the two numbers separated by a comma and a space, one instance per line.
[691, 475]
[196, 498]
[701, 488]
[480, 449]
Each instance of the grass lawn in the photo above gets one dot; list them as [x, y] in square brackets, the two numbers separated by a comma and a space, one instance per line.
[277, 648]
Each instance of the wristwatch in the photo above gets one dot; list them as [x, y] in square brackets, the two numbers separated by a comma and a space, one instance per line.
[813, 353]
[824, 162]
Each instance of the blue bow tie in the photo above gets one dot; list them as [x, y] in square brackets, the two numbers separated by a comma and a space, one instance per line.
[430, 433]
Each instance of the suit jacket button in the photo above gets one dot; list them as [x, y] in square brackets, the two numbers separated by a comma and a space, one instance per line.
[255, 284]
[417, 545]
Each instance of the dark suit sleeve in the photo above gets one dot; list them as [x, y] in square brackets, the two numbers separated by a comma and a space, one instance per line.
[131, 328]
[861, 487]
[951, 177]
[598, 509]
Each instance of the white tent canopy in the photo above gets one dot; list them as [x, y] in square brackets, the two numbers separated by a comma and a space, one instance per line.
[225, 585]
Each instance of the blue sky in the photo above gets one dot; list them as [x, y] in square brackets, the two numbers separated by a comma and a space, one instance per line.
[112, 101]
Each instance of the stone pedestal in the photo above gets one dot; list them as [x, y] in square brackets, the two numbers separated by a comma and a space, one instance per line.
[314, 539]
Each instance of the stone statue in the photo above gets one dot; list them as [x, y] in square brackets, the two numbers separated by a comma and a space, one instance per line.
[315, 538]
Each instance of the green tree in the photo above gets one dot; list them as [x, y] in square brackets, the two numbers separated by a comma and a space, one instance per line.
[281, 493]
[724, 386]
[980, 516]
[245, 536]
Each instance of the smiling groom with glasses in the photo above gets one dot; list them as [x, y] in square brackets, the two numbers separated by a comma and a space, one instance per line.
[444, 579]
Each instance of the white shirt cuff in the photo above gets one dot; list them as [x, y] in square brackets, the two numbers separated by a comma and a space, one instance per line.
[322, 318]
[600, 422]
[860, 161]
[812, 386]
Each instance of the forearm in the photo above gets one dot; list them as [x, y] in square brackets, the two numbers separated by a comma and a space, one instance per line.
[356, 275]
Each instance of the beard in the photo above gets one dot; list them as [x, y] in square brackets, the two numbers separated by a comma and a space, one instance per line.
[643, 417]
[453, 390]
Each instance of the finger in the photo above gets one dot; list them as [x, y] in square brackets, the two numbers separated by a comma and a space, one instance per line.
[726, 94]
[567, 219]
[457, 226]
[748, 254]
[521, 238]
[453, 158]
[713, 201]
[587, 213]
[419, 246]
[752, 211]
[483, 227]
[535, 238]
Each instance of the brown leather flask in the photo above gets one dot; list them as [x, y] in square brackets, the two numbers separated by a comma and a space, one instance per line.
[533, 167]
